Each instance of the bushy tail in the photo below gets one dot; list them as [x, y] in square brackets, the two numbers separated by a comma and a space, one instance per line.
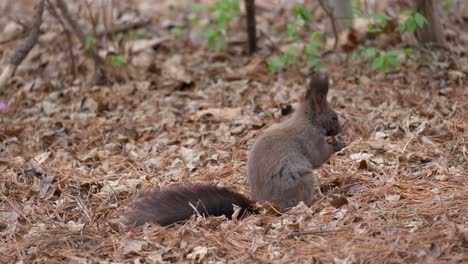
[166, 207]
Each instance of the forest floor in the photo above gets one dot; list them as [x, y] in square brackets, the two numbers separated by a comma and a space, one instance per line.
[76, 152]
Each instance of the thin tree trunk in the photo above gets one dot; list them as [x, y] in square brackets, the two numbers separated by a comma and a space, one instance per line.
[432, 31]
[343, 14]
[251, 26]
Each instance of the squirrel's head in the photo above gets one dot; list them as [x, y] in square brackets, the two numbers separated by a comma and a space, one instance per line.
[317, 109]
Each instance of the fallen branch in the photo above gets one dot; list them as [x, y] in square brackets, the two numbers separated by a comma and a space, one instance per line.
[122, 28]
[24, 49]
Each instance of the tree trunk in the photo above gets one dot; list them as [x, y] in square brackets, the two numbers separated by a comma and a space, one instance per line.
[251, 25]
[28, 43]
[432, 31]
[343, 14]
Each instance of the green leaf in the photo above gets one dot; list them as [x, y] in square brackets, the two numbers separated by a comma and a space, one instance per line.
[402, 28]
[177, 31]
[90, 41]
[288, 56]
[275, 64]
[420, 20]
[210, 34]
[291, 31]
[411, 25]
[118, 61]
[369, 52]
[408, 51]
[357, 11]
[394, 61]
[394, 53]
[314, 64]
[220, 41]
[315, 36]
[381, 21]
[300, 12]
[373, 29]
[378, 62]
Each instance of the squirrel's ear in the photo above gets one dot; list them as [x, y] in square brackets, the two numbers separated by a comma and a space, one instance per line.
[317, 91]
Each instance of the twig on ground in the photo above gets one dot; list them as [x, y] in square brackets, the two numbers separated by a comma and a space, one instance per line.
[24, 49]
[123, 28]
[312, 232]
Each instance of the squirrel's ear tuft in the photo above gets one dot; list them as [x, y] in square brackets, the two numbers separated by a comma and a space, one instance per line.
[317, 91]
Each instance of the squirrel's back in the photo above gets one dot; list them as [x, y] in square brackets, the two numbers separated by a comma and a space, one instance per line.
[166, 207]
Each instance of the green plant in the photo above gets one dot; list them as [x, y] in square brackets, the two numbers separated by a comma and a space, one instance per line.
[118, 61]
[311, 52]
[301, 16]
[412, 22]
[195, 11]
[89, 42]
[380, 21]
[178, 32]
[381, 59]
[357, 7]
[224, 12]
[385, 59]
[288, 58]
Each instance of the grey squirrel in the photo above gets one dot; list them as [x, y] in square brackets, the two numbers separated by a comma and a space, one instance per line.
[279, 168]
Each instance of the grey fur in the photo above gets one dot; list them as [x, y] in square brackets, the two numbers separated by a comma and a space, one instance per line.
[281, 160]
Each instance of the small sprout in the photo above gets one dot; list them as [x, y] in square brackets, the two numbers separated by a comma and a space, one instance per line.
[224, 12]
[118, 61]
[90, 41]
[275, 64]
[178, 32]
